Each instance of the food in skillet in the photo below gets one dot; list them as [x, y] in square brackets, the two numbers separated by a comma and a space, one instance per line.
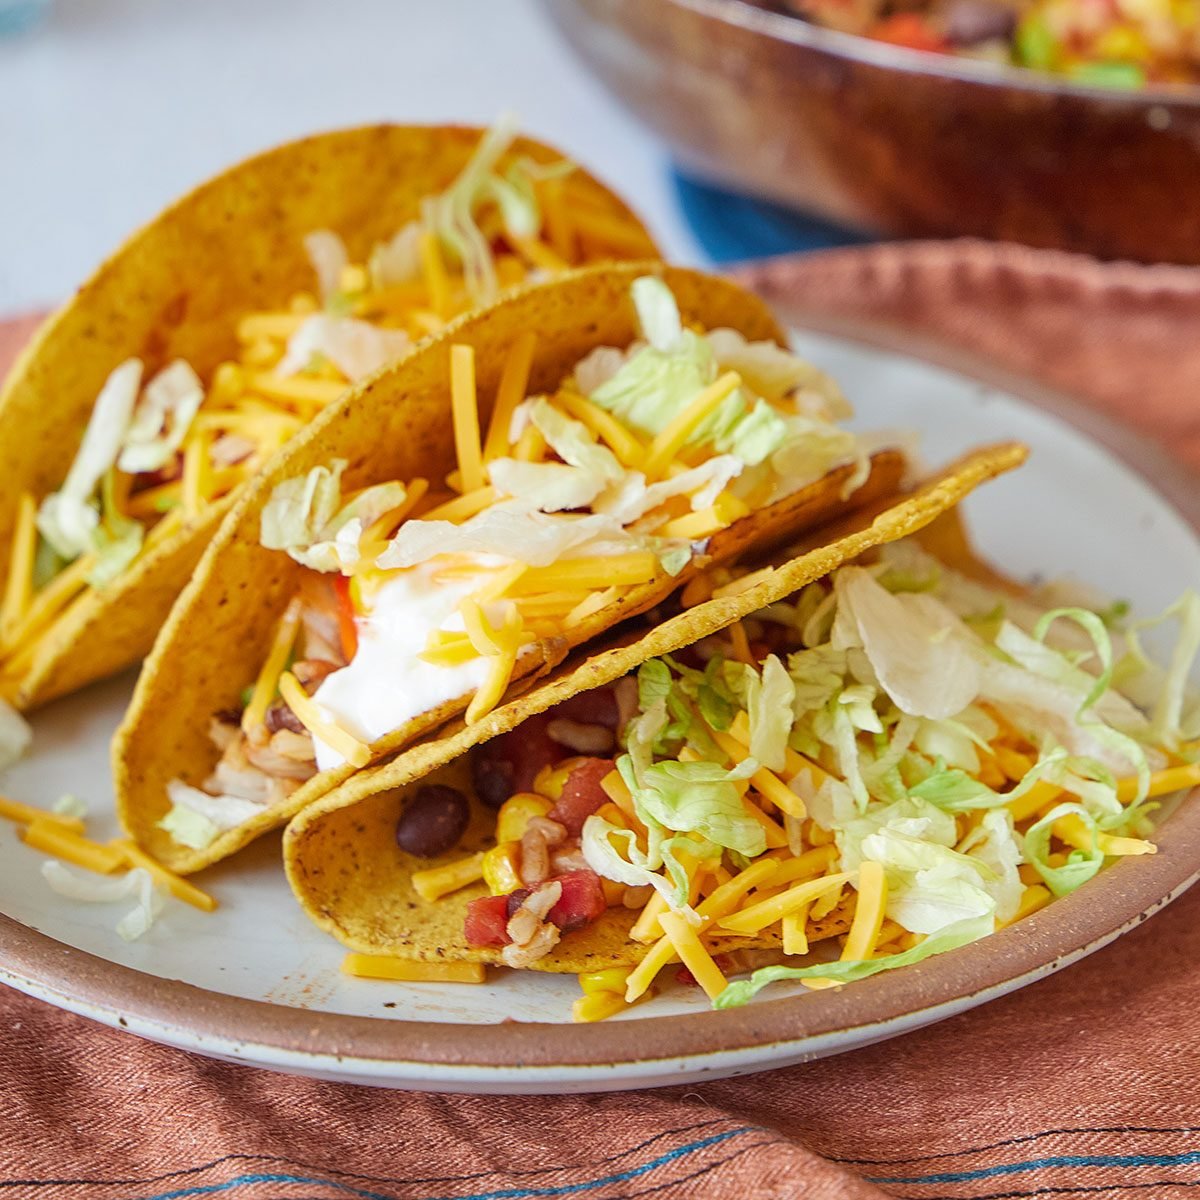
[1103, 43]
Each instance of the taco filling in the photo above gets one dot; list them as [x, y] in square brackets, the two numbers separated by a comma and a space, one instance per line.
[899, 757]
[160, 450]
[570, 511]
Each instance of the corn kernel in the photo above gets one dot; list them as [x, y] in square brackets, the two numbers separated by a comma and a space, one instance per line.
[516, 812]
[437, 882]
[597, 1006]
[610, 980]
[501, 868]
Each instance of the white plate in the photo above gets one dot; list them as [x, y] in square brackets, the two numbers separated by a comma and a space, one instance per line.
[1075, 509]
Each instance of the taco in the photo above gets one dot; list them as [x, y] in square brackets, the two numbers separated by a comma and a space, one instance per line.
[517, 486]
[905, 754]
[221, 329]
[385, 864]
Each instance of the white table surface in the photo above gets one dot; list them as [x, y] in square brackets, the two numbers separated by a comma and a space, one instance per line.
[111, 108]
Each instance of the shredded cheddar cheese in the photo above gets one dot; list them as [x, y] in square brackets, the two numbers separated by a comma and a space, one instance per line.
[52, 838]
[382, 966]
[179, 888]
[433, 271]
[693, 955]
[597, 1006]
[465, 409]
[767, 912]
[267, 682]
[14, 810]
[1162, 783]
[18, 588]
[435, 882]
[514, 378]
[868, 912]
[462, 507]
[636, 566]
[309, 715]
[630, 452]
[766, 782]
[670, 441]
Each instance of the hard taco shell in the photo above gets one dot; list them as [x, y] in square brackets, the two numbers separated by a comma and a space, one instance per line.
[341, 855]
[397, 426]
[177, 289]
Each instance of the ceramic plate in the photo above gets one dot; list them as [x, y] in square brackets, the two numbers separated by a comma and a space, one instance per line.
[253, 982]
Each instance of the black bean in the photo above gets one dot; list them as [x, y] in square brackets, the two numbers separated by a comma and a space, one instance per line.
[279, 716]
[433, 821]
[493, 777]
[515, 900]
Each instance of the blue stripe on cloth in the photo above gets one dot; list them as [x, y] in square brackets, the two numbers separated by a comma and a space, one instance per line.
[502, 1194]
[1037, 1164]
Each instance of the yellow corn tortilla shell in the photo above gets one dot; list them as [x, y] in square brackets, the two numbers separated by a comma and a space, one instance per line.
[341, 854]
[176, 289]
[398, 426]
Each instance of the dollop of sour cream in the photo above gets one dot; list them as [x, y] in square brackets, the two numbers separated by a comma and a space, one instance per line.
[387, 684]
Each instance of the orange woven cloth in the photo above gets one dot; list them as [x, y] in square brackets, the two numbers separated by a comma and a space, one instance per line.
[1086, 1084]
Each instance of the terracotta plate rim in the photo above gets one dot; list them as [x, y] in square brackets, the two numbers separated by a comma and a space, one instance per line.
[781, 1030]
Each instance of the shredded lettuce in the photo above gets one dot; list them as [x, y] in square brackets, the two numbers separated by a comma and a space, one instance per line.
[950, 937]
[768, 697]
[89, 889]
[299, 509]
[1174, 718]
[164, 414]
[657, 314]
[998, 846]
[68, 805]
[509, 529]
[193, 812]
[1081, 865]
[356, 348]
[189, 828]
[654, 386]
[573, 442]
[15, 735]
[398, 260]
[806, 449]
[329, 258]
[635, 868]
[68, 517]
[698, 797]
[775, 373]
[924, 657]
[452, 214]
[116, 541]
[305, 517]
[548, 487]
[631, 497]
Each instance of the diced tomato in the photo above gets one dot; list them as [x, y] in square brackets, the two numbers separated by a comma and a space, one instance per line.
[581, 902]
[910, 30]
[596, 707]
[347, 630]
[581, 794]
[487, 922]
[510, 763]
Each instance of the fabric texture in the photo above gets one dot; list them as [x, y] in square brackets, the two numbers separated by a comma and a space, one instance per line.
[1085, 1084]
